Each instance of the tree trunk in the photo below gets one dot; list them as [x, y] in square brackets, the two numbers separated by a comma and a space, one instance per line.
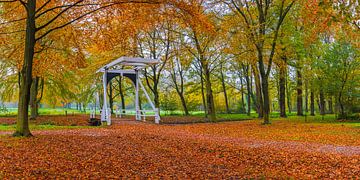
[341, 105]
[224, 89]
[33, 98]
[121, 92]
[183, 103]
[203, 93]
[288, 94]
[242, 110]
[156, 98]
[258, 89]
[312, 103]
[331, 110]
[265, 91]
[111, 97]
[209, 95]
[282, 84]
[306, 98]
[248, 87]
[322, 103]
[299, 94]
[22, 123]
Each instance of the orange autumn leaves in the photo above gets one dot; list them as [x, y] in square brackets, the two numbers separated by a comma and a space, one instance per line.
[140, 150]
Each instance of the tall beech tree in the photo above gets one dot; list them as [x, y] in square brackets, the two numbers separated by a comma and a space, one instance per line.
[263, 32]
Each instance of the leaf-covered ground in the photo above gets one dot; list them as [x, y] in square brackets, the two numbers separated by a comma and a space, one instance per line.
[223, 150]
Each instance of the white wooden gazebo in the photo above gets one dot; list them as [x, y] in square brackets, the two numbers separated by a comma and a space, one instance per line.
[114, 69]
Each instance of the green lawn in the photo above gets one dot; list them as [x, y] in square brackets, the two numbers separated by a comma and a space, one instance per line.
[4, 127]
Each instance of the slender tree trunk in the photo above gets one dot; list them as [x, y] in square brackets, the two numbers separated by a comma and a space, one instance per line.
[111, 97]
[183, 103]
[288, 94]
[224, 89]
[331, 110]
[122, 96]
[265, 91]
[248, 88]
[299, 94]
[33, 98]
[203, 93]
[322, 103]
[282, 84]
[242, 110]
[312, 103]
[341, 105]
[22, 123]
[156, 98]
[306, 98]
[179, 87]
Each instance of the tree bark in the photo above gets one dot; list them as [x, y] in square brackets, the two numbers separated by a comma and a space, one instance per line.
[33, 98]
[242, 109]
[312, 103]
[209, 94]
[22, 123]
[224, 89]
[306, 97]
[258, 89]
[248, 87]
[322, 102]
[111, 97]
[331, 110]
[299, 94]
[282, 84]
[179, 87]
[288, 94]
[122, 96]
[202, 92]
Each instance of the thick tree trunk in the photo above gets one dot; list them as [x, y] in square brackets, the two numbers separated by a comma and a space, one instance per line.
[282, 84]
[258, 89]
[312, 103]
[33, 97]
[299, 94]
[22, 123]
[209, 95]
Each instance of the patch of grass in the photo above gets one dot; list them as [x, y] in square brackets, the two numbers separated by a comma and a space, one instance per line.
[4, 127]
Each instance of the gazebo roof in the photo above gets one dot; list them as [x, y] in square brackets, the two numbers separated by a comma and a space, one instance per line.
[130, 61]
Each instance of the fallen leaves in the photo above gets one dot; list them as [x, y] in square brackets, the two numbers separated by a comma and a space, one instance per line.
[141, 150]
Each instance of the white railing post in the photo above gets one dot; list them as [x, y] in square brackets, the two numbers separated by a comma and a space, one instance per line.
[108, 116]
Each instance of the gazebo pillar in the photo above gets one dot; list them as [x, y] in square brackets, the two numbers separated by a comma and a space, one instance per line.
[105, 112]
[137, 100]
